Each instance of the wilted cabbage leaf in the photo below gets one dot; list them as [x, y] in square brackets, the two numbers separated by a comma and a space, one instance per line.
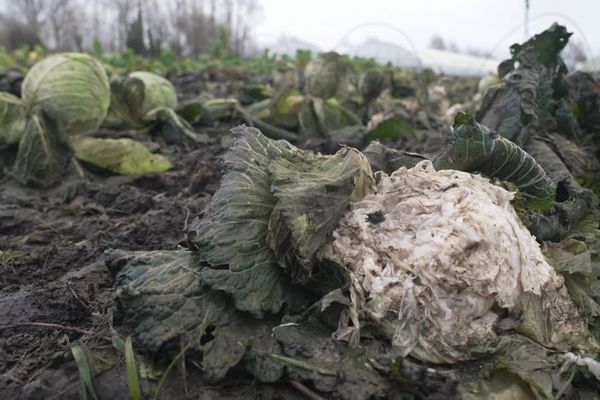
[577, 258]
[523, 108]
[71, 88]
[12, 119]
[474, 147]
[573, 203]
[44, 152]
[162, 297]
[121, 156]
[143, 98]
[522, 369]
[388, 160]
[233, 231]
[536, 103]
[165, 301]
[275, 203]
[137, 95]
[313, 193]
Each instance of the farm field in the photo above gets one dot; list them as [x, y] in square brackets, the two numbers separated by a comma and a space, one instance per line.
[298, 227]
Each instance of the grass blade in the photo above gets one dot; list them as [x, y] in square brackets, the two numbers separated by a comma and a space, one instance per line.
[133, 376]
[86, 370]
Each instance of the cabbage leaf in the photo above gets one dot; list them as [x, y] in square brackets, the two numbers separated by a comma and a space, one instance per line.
[122, 156]
[44, 153]
[475, 148]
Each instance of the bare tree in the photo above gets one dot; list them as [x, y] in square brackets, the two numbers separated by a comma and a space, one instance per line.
[62, 26]
[31, 10]
[156, 30]
[245, 18]
[15, 34]
[188, 27]
[123, 8]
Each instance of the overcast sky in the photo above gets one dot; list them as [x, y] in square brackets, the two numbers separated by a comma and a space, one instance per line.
[483, 24]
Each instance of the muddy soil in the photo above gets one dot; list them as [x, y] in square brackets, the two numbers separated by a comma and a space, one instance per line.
[55, 290]
[54, 287]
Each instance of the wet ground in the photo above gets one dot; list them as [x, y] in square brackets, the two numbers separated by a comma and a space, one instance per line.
[54, 287]
[56, 291]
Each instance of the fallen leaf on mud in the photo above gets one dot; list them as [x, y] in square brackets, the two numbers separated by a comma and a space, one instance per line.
[121, 156]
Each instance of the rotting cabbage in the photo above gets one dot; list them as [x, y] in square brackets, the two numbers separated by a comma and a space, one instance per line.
[142, 99]
[414, 258]
[325, 75]
[320, 112]
[446, 261]
[71, 88]
[534, 104]
[137, 97]
[371, 84]
[12, 119]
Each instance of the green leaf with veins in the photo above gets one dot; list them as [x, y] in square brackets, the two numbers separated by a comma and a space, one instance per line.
[232, 235]
[276, 206]
[44, 153]
[162, 297]
[476, 148]
[313, 193]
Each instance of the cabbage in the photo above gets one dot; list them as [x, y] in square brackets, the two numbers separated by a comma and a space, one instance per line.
[12, 119]
[138, 97]
[325, 74]
[419, 267]
[371, 84]
[143, 99]
[44, 154]
[285, 77]
[438, 258]
[158, 92]
[71, 88]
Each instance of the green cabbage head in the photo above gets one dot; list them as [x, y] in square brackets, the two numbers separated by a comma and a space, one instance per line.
[141, 96]
[71, 88]
[158, 93]
[12, 119]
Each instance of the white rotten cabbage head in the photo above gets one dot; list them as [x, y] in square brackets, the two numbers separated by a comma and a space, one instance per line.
[441, 261]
